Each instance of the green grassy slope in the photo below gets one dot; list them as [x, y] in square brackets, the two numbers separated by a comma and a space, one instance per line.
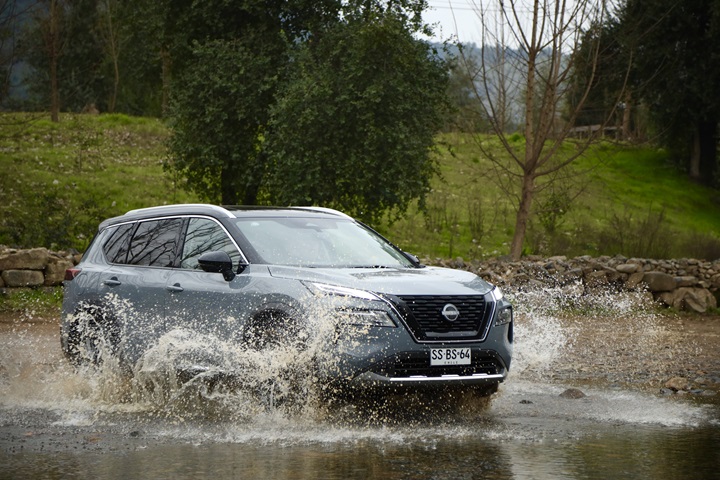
[59, 180]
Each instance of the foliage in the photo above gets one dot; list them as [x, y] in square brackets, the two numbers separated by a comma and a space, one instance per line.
[354, 125]
[607, 69]
[672, 49]
[309, 107]
[467, 112]
[228, 84]
[218, 119]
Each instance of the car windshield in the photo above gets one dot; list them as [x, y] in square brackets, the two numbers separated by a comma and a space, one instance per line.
[319, 242]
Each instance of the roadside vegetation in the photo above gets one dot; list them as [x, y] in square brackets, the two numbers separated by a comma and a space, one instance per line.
[31, 303]
[63, 178]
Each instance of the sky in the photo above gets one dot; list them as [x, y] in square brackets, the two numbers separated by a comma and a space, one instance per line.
[455, 18]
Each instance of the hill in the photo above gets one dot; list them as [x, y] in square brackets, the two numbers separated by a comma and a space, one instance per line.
[61, 179]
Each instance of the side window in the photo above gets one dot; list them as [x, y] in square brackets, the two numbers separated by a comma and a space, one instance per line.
[155, 243]
[204, 235]
[116, 247]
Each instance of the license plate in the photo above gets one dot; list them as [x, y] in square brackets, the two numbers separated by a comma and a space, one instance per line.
[449, 356]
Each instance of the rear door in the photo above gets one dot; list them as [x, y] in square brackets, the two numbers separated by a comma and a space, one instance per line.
[135, 283]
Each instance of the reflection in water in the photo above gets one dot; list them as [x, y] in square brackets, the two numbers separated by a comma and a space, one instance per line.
[56, 422]
[611, 453]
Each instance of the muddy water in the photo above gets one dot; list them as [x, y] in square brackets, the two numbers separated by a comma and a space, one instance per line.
[59, 422]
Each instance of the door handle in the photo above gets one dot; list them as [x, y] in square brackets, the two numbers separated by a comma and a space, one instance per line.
[112, 282]
[174, 288]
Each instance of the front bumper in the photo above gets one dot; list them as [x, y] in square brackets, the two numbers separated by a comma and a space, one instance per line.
[413, 369]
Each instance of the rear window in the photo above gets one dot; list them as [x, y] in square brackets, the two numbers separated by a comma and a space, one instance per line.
[116, 247]
[155, 243]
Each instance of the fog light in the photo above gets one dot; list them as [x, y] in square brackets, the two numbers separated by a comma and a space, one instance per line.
[504, 316]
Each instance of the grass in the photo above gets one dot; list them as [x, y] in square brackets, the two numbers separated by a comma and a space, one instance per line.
[64, 178]
[31, 302]
[67, 176]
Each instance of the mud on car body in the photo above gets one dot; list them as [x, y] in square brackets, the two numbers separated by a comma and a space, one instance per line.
[266, 276]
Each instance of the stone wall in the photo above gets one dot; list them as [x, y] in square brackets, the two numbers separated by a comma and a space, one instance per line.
[684, 284]
[36, 267]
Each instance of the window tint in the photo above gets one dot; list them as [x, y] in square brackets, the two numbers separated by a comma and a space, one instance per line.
[204, 235]
[116, 247]
[155, 243]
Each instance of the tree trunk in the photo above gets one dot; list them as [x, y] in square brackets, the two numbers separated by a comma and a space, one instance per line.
[116, 85]
[229, 194]
[53, 55]
[694, 170]
[707, 142]
[626, 117]
[166, 79]
[523, 216]
[54, 94]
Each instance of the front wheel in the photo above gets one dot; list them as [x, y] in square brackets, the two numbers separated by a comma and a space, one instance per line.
[274, 329]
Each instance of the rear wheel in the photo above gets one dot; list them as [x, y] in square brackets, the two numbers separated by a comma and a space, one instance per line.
[93, 336]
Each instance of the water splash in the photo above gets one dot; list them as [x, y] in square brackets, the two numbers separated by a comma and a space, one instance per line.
[558, 326]
[242, 394]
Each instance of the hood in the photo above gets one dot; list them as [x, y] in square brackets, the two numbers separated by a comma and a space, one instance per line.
[406, 281]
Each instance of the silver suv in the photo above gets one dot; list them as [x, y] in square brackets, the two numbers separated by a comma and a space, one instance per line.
[260, 277]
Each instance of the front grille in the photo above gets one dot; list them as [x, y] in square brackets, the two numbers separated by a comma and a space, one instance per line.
[425, 319]
[418, 364]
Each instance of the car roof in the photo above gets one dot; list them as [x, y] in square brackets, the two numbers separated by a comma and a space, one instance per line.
[217, 211]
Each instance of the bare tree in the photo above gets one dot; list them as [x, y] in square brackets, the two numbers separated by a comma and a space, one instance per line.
[526, 63]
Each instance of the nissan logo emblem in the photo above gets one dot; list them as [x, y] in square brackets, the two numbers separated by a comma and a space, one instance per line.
[450, 312]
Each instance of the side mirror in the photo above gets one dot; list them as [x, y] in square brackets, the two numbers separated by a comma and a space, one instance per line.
[217, 262]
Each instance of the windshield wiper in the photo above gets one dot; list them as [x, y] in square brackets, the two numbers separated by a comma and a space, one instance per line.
[372, 266]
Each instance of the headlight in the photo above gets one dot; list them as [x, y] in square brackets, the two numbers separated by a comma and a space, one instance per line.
[353, 306]
[323, 288]
[372, 318]
[504, 314]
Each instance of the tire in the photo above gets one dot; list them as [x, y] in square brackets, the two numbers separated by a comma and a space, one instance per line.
[273, 329]
[93, 336]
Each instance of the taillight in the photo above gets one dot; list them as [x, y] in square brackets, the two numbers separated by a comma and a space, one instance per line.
[71, 273]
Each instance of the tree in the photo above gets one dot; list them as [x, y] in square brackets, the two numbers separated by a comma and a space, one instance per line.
[675, 48]
[65, 56]
[240, 129]
[354, 125]
[601, 77]
[218, 120]
[224, 87]
[527, 48]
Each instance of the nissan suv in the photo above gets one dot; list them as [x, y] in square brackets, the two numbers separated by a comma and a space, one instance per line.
[263, 276]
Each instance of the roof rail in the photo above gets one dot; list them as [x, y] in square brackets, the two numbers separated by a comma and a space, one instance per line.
[327, 210]
[160, 208]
